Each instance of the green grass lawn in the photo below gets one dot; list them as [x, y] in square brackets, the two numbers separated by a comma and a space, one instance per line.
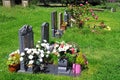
[101, 49]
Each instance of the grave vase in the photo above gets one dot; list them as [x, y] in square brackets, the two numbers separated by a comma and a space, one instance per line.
[76, 69]
[14, 67]
[63, 27]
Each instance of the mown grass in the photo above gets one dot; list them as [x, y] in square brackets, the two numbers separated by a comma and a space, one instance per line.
[101, 49]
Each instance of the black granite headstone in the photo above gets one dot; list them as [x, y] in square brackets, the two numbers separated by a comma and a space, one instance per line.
[45, 31]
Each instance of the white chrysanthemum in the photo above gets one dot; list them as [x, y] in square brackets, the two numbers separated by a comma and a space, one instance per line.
[44, 41]
[32, 53]
[37, 52]
[47, 47]
[31, 62]
[43, 44]
[29, 51]
[22, 54]
[21, 58]
[41, 60]
[42, 55]
[26, 49]
[48, 52]
[37, 46]
[30, 56]
[41, 51]
[47, 56]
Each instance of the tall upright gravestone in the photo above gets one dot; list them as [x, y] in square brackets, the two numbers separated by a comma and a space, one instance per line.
[26, 37]
[45, 31]
[54, 22]
[60, 20]
[26, 40]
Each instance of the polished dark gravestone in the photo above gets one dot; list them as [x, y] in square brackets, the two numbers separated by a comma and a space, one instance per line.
[45, 31]
[54, 23]
[26, 40]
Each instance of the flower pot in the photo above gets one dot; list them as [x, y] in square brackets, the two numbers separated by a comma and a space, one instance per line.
[14, 67]
[76, 69]
[63, 27]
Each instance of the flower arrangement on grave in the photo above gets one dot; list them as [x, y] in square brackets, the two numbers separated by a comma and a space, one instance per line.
[81, 14]
[35, 56]
[13, 61]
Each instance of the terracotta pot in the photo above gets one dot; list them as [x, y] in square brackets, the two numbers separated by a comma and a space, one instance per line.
[14, 67]
[63, 27]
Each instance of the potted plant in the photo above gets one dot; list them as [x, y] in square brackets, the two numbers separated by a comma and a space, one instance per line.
[13, 61]
[63, 26]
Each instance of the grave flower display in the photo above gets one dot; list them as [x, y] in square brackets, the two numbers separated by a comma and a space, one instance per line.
[48, 57]
[13, 61]
[81, 14]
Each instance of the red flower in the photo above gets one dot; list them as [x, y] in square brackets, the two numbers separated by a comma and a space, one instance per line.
[96, 17]
[91, 10]
[62, 45]
[72, 50]
[93, 14]
[81, 4]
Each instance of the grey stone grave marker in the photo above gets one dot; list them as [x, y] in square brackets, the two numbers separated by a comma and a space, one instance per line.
[25, 3]
[54, 22]
[60, 20]
[66, 16]
[26, 41]
[45, 31]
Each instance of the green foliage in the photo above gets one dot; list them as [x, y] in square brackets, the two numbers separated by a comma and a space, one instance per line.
[53, 59]
[101, 49]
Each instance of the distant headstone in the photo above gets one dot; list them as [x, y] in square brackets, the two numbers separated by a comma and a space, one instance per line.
[45, 31]
[66, 17]
[26, 37]
[54, 22]
[25, 3]
[60, 20]
[113, 9]
[69, 19]
[8, 3]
